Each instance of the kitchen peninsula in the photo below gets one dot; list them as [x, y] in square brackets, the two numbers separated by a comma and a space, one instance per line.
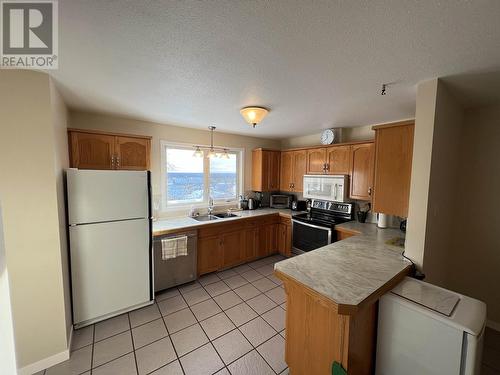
[332, 296]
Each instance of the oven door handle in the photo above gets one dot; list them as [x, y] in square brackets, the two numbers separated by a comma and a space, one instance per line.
[311, 225]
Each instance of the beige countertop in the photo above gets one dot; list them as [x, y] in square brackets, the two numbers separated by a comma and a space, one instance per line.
[169, 225]
[351, 272]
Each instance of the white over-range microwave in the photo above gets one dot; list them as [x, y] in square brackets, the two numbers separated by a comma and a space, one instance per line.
[326, 187]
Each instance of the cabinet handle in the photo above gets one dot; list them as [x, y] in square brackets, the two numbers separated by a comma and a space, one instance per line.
[118, 162]
[369, 191]
[112, 161]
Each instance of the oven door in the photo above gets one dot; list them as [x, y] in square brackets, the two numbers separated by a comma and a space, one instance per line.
[307, 237]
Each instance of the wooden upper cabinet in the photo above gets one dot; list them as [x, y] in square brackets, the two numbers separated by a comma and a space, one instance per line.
[299, 170]
[338, 160]
[286, 171]
[274, 160]
[316, 161]
[132, 153]
[265, 170]
[362, 164]
[91, 151]
[393, 159]
[293, 169]
[100, 150]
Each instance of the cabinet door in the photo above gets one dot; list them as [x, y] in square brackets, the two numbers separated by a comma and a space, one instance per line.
[284, 239]
[250, 246]
[233, 251]
[337, 159]
[257, 172]
[273, 170]
[272, 238]
[286, 173]
[393, 158]
[209, 254]
[262, 242]
[362, 171]
[299, 170]
[92, 151]
[316, 160]
[132, 153]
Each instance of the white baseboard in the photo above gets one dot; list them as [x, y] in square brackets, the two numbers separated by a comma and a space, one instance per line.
[49, 361]
[493, 325]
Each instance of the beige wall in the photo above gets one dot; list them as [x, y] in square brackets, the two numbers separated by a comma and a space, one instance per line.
[60, 125]
[28, 191]
[7, 348]
[474, 259]
[360, 133]
[420, 172]
[453, 218]
[442, 198]
[85, 120]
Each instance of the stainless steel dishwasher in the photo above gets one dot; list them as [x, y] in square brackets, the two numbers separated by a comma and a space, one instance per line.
[179, 270]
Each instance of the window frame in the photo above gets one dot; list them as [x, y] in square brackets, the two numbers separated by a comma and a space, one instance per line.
[165, 206]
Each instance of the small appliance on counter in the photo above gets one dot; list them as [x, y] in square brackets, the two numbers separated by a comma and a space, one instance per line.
[402, 225]
[382, 220]
[280, 201]
[253, 203]
[243, 203]
[300, 205]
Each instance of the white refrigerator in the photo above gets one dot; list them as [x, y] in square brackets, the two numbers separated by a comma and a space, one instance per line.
[110, 242]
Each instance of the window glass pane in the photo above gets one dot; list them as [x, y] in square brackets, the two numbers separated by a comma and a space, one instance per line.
[224, 178]
[185, 182]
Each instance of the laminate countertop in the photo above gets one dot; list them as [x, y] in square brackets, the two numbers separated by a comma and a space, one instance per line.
[175, 224]
[353, 272]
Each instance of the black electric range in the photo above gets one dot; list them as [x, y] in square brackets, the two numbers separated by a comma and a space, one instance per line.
[315, 228]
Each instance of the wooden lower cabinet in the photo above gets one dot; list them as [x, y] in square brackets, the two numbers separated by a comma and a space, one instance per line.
[317, 334]
[209, 254]
[268, 240]
[227, 245]
[250, 245]
[233, 250]
[285, 237]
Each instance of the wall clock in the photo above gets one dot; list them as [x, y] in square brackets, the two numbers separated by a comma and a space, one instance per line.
[328, 137]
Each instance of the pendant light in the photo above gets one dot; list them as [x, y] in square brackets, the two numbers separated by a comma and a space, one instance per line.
[211, 152]
[254, 115]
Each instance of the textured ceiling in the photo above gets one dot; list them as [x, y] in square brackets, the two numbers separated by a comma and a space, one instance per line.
[315, 64]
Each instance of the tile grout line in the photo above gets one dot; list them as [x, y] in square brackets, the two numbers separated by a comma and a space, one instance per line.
[209, 341]
[180, 293]
[201, 286]
[133, 343]
[238, 328]
[177, 358]
[92, 352]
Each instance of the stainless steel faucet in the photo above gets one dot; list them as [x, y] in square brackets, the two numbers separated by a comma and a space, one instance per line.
[210, 205]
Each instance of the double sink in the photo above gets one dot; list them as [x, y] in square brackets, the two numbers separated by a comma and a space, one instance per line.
[215, 216]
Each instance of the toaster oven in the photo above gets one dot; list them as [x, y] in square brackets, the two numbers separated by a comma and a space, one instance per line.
[280, 201]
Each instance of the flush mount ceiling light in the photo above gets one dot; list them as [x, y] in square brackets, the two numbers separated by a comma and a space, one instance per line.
[254, 115]
[211, 152]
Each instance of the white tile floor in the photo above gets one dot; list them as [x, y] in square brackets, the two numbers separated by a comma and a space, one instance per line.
[231, 322]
